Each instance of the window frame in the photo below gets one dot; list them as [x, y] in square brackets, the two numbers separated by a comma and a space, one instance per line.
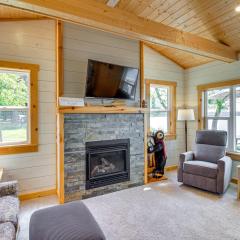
[202, 118]
[32, 145]
[171, 134]
[229, 119]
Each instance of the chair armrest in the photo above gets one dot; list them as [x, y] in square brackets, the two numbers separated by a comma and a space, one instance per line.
[224, 173]
[187, 156]
[8, 188]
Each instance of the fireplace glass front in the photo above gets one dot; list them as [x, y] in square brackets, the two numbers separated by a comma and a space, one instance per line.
[107, 162]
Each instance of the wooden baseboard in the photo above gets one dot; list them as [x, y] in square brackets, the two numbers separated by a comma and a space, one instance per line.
[171, 168]
[33, 195]
[45, 193]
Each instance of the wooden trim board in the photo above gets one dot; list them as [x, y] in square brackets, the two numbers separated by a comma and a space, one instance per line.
[161, 82]
[142, 83]
[171, 168]
[234, 180]
[28, 196]
[238, 182]
[19, 65]
[59, 60]
[18, 149]
[60, 160]
[22, 19]
[99, 16]
[59, 78]
[204, 87]
[102, 109]
[145, 150]
[234, 155]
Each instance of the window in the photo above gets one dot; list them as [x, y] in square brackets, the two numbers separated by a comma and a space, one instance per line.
[18, 107]
[162, 102]
[218, 109]
[221, 110]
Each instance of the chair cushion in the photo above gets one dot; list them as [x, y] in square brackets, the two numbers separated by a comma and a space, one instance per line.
[209, 153]
[201, 168]
[9, 208]
[7, 231]
[71, 221]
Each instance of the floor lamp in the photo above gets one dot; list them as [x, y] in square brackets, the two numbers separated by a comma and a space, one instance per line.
[185, 115]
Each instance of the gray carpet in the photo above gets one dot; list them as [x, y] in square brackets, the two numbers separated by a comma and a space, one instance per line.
[167, 211]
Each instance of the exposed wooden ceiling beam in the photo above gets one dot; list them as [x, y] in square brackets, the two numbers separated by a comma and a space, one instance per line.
[94, 14]
[21, 19]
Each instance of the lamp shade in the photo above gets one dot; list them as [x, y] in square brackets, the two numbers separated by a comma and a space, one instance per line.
[185, 115]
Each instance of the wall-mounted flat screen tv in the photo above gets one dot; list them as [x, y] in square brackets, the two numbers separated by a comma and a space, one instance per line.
[106, 80]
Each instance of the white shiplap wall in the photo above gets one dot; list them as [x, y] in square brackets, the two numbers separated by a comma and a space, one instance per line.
[207, 73]
[160, 68]
[34, 42]
[81, 44]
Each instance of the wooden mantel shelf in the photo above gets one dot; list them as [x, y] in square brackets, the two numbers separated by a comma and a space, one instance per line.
[102, 109]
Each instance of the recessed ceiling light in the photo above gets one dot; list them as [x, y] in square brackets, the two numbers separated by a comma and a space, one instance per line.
[237, 9]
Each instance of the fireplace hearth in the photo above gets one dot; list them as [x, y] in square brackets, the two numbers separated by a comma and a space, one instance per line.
[107, 162]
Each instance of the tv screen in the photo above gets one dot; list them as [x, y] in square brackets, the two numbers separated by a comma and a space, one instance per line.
[106, 80]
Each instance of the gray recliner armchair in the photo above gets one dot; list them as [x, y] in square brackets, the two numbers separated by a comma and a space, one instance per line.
[208, 167]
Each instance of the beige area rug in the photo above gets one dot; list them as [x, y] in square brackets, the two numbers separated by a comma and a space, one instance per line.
[167, 211]
[164, 211]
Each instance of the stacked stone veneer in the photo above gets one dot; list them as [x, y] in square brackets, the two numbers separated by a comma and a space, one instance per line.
[82, 128]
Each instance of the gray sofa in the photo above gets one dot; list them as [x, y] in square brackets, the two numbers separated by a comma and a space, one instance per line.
[9, 209]
[208, 167]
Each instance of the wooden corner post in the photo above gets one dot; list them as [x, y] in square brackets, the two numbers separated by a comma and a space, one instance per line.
[59, 60]
[142, 83]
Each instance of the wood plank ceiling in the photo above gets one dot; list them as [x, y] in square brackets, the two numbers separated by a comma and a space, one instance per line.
[212, 19]
[10, 14]
[216, 20]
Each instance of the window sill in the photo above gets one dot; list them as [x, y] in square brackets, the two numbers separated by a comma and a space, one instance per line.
[17, 149]
[234, 155]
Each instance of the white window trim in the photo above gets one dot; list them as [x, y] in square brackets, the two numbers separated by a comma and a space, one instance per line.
[231, 119]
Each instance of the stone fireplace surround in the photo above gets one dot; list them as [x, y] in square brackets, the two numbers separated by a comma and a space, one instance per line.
[80, 128]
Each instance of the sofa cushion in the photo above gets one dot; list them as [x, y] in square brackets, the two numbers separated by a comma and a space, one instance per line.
[209, 153]
[9, 208]
[201, 168]
[7, 231]
[71, 221]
